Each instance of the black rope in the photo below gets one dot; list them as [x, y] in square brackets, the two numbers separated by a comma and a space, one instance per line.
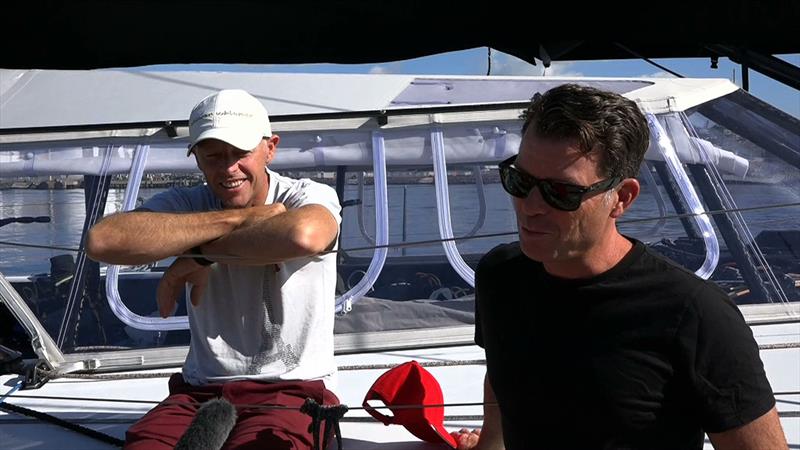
[648, 60]
[249, 406]
[427, 242]
[94, 434]
[330, 414]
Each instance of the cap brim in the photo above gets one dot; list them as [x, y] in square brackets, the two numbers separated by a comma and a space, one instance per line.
[234, 136]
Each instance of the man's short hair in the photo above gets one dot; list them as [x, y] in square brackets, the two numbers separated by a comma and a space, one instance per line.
[600, 121]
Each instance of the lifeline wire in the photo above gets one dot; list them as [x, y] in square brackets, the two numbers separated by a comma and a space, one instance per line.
[458, 238]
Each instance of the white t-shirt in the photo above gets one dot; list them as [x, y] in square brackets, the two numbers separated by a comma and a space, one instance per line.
[262, 322]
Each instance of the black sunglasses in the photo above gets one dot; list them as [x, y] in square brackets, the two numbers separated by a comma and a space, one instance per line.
[562, 196]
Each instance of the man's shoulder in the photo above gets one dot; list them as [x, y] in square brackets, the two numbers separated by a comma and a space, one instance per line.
[682, 282]
[195, 198]
[655, 262]
[288, 187]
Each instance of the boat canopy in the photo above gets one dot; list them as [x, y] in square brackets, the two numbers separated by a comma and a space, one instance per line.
[414, 161]
[323, 119]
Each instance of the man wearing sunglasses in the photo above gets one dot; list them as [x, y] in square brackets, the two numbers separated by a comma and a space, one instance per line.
[592, 340]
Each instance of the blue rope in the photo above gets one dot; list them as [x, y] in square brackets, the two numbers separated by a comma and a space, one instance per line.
[13, 389]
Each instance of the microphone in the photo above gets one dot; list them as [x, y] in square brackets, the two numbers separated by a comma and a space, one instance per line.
[210, 427]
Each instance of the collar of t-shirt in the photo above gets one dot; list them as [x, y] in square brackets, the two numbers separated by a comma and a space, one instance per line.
[272, 189]
[626, 262]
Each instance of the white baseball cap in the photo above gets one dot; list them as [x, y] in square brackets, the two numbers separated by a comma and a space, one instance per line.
[232, 116]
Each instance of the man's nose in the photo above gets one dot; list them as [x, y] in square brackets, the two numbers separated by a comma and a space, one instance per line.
[231, 163]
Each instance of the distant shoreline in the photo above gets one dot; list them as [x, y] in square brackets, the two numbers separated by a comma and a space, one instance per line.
[194, 181]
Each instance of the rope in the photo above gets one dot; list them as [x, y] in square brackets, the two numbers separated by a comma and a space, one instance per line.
[454, 362]
[428, 242]
[63, 423]
[88, 376]
[330, 414]
[244, 405]
[779, 346]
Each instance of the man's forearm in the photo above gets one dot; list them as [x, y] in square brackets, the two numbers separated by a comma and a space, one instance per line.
[764, 433]
[271, 239]
[140, 237]
[492, 430]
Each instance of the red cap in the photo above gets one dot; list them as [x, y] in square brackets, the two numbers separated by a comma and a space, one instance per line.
[410, 384]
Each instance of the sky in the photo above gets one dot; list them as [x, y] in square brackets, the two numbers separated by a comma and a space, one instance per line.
[476, 62]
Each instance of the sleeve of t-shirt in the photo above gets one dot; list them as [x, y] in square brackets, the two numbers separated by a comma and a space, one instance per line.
[726, 374]
[171, 200]
[481, 282]
[307, 192]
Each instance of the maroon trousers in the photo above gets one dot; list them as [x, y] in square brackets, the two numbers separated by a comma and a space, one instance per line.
[256, 428]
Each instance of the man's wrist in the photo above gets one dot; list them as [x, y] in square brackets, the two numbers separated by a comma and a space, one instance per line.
[199, 259]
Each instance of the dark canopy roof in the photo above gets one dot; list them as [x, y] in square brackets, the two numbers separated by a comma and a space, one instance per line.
[84, 34]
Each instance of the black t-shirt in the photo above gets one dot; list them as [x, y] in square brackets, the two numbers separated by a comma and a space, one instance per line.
[643, 356]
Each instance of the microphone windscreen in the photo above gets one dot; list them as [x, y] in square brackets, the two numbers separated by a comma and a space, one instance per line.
[210, 427]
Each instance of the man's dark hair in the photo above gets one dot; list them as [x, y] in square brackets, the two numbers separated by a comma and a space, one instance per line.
[599, 120]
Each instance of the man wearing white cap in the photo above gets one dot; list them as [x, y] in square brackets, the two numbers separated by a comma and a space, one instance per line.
[262, 299]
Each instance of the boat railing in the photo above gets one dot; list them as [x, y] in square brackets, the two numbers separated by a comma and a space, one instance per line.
[344, 303]
[665, 146]
[443, 209]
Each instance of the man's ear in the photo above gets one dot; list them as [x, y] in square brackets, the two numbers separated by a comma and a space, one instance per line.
[196, 159]
[627, 191]
[272, 146]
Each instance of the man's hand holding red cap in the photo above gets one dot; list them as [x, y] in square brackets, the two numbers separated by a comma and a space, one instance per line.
[466, 440]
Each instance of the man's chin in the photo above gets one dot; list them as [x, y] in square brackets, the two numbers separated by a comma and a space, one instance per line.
[233, 205]
[232, 201]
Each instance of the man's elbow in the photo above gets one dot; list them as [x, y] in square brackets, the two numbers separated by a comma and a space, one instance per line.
[97, 245]
[311, 241]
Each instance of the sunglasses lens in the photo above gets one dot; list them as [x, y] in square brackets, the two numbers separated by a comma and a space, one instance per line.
[559, 196]
[514, 183]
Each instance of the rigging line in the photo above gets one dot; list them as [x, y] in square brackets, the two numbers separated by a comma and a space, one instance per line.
[455, 362]
[360, 419]
[132, 420]
[345, 419]
[781, 346]
[244, 405]
[45, 247]
[131, 376]
[456, 238]
[648, 60]
[509, 233]
[49, 418]
[447, 418]
[78, 289]
[737, 220]
[57, 421]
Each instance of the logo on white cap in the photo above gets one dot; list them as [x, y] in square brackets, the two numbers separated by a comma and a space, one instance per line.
[232, 116]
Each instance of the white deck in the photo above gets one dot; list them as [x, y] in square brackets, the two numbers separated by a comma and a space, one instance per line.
[460, 384]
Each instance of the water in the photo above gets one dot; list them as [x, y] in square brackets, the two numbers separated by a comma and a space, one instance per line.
[416, 202]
